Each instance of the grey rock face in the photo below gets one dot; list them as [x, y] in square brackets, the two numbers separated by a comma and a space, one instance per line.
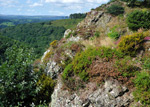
[74, 39]
[111, 94]
[67, 32]
[96, 18]
[53, 69]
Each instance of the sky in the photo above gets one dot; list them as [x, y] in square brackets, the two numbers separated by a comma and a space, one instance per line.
[48, 7]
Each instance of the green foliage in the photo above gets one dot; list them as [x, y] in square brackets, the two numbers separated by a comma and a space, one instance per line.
[83, 60]
[138, 19]
[126, 67]
[142, 84]
[113, 33]
[17, 78]
[77, 16]
[46, 85]
[4, 44]
[146, 62]
[131, 44]
[67, 23]
[115, 10]
[37, 35]
[131, 2]
[97, 34]
[67, 71]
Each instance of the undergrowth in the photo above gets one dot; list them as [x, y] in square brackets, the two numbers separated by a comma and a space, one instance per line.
[82, 61]
[142, 84]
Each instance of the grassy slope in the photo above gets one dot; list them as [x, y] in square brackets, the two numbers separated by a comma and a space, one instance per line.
[67, 23]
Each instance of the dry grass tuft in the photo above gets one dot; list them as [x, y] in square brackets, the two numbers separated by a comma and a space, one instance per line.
[97, 42]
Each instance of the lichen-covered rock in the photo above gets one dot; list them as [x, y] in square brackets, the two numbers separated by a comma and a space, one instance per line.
[96, 18]
[42, 59]
[67, 33]
[53, 69]
[111, 94]
[74, 39]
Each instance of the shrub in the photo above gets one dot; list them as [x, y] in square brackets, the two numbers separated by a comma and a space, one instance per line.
[17, 79]
[97, 34]
[67, 71]
[131, 44]
[113, 33]
[115, 10]
[46, 85]
[126, 67]
[54, 44]
[138, 19]
[142, 84]
[146, 62]
[83, 60]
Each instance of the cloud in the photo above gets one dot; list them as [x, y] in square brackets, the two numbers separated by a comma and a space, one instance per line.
[8, 3]
[36, 5]
[56, 12]
[76, 4]
[31, 10]
[77, 1]
[28, 1]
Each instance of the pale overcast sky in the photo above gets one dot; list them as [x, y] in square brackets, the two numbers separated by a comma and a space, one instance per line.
[47, 7]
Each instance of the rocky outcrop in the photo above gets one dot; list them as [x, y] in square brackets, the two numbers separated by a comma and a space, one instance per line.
[53, 69]
[67, 33]
[96, 18]
[111, 94]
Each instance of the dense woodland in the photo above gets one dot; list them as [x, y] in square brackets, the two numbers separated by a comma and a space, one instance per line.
[37, 35]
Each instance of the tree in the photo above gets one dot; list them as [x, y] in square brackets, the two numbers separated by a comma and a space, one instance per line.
[17, 80]
[138, 19]
[115, 10]
[77, 15]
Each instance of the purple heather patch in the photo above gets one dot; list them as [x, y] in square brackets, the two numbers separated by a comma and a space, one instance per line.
[147, 38]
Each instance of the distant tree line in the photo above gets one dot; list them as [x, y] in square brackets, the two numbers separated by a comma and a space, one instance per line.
[77, 15]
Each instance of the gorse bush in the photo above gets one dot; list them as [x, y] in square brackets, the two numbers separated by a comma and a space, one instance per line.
[131, 44]
[54, 44]
[115, 10]
[142, 92]
[139, 19]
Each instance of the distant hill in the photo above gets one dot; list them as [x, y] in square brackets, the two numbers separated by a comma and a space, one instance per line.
[12, 20]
